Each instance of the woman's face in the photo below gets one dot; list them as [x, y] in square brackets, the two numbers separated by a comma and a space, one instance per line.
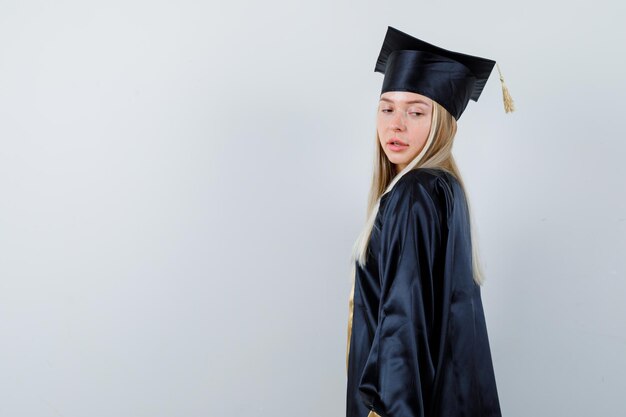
[403, 124]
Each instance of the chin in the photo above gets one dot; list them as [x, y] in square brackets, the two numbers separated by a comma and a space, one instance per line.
[394, 159]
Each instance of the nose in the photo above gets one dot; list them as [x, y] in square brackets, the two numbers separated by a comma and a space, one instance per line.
[397, 123]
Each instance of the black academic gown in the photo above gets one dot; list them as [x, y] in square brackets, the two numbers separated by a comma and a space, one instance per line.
[418, 344]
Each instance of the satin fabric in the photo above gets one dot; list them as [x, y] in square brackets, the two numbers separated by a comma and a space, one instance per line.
[418, 343]
[350, 307]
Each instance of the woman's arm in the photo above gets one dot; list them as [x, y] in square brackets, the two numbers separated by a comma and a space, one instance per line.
[398, 378]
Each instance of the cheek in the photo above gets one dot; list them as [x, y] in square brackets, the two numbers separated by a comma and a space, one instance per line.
[380, 127]
[421, 131]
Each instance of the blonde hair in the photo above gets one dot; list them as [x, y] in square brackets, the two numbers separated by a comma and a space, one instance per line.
[436, 153]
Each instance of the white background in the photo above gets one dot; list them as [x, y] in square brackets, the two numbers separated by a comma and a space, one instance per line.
[181, 184]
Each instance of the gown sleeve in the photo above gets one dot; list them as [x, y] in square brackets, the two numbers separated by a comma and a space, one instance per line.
[398, 376]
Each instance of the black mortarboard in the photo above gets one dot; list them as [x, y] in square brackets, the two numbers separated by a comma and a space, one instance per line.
[450, 78]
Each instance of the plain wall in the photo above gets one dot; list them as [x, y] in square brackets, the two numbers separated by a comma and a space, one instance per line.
[181, 184]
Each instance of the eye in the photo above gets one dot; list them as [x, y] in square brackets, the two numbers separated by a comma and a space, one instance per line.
[386, 110]
[416, 113]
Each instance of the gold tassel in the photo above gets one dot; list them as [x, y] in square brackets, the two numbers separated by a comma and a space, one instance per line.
[508, 101]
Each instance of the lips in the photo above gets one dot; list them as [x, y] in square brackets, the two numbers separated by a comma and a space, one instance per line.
[396, 141]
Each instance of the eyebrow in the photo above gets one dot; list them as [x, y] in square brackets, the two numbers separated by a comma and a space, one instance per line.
[406, 102]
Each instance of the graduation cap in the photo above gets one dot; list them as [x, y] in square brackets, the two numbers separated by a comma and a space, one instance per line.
[450, 78]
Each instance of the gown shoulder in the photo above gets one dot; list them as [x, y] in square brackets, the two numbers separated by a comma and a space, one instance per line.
[436, 186]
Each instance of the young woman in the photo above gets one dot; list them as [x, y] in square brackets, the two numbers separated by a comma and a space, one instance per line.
[417, 337]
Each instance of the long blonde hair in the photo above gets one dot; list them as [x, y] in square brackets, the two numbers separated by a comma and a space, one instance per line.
[436, 153]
